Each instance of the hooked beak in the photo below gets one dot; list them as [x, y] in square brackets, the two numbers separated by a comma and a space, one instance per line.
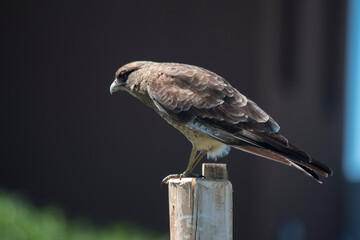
[115, 86]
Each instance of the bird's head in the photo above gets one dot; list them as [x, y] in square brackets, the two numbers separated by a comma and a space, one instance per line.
[127, 76]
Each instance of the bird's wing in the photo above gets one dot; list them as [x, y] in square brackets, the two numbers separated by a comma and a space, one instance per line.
[185, 92]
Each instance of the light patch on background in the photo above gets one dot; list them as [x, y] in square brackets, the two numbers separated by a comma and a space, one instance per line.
[352, 109]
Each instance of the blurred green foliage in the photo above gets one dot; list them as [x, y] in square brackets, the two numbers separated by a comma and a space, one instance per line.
[19, 220]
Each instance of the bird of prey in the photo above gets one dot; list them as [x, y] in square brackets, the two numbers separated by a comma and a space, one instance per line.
[213, 115]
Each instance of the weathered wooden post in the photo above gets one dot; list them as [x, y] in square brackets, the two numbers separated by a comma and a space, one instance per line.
[202, 209]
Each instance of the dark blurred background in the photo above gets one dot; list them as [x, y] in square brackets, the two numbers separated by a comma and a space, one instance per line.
[66, 140]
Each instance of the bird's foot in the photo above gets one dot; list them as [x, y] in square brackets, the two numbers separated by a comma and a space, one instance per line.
[171, 176]
[180, 176]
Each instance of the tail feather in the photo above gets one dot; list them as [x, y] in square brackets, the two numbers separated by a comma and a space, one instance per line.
[266, 153]
[308, 172]
[272, 146]
[282, 151]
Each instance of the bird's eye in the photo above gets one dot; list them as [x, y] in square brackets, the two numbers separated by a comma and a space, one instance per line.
[123, 76]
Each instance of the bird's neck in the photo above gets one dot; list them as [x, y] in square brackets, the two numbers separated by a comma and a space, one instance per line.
[140, 93]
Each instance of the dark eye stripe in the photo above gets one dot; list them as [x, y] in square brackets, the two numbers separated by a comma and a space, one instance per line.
[123, 76]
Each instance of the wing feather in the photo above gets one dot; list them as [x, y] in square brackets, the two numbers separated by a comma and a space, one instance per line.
[185, 92]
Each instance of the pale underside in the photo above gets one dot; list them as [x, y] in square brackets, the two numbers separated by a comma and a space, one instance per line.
[201, 141]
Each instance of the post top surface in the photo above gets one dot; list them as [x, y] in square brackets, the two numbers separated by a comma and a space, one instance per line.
[214, 171]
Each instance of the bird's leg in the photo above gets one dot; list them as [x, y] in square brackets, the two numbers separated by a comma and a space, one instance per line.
[198, 159]
[192, 164]
[193, 161]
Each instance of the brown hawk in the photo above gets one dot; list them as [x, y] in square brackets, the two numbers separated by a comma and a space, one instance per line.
[212, 114]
